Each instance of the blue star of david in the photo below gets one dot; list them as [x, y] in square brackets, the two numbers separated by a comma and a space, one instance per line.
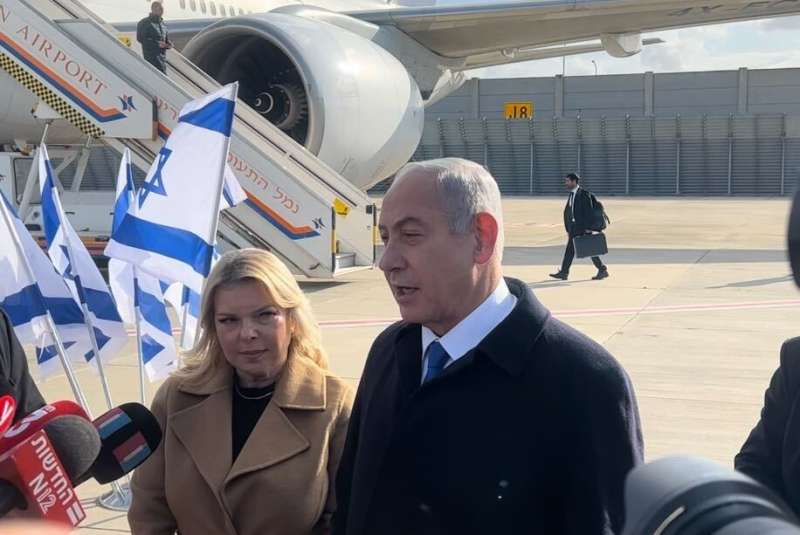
[68, 270]
[156, 184]
[150, 348]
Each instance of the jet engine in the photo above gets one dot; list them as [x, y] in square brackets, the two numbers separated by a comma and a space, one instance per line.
[343, 97]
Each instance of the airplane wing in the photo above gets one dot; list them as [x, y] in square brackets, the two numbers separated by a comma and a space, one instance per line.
[475, 30]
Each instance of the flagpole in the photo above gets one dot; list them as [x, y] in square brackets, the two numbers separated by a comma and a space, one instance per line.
[27, 192]
[62, 353]
[221, 182]
[184, 313]
[90, 327]
[142, 396]
[218, 197]
[65, 363]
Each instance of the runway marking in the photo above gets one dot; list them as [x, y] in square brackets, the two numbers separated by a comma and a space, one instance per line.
[590, 312]
[584, 313]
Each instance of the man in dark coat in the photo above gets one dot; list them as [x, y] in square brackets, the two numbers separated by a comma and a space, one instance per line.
[14, 371]
[152, 33]
[479, 412]
[577, 215]
[771, 454]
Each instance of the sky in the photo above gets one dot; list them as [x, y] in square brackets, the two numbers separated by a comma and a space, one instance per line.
[761, 44]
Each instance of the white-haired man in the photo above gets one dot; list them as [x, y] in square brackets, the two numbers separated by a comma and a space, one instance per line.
[478, 412]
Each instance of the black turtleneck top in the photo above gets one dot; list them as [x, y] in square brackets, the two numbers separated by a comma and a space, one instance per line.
[248, 405]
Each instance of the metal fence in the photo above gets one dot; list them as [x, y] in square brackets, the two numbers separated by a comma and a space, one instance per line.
[702, 155]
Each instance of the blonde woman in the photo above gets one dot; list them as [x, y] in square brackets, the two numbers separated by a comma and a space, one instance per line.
[253, 423]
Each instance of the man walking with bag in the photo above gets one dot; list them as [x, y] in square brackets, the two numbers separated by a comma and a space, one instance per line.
[578, 217]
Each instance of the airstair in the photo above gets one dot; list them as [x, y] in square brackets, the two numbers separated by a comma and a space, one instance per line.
[298, 207]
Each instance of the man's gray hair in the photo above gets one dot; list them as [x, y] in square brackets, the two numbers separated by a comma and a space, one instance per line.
[466, 189]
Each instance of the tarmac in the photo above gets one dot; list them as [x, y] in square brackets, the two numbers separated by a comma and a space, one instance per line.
[699, 300]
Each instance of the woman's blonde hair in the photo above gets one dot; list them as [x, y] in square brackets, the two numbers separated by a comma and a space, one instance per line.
[205, 359]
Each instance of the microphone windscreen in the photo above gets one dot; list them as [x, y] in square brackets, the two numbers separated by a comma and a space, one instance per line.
[36, 420]
[8, 405]
[129, 434]
[76, 443]
[8, 408]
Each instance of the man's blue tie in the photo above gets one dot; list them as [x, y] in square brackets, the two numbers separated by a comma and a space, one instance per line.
[437, 358]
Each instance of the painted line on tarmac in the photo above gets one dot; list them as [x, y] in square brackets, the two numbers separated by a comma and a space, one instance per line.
[582, 313]
[590, 312]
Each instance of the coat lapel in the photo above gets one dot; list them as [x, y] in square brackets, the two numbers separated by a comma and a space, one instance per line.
[274, 439]
[382, 410]
[198, 429]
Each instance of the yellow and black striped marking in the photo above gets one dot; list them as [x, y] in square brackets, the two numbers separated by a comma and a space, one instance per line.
[49, 97]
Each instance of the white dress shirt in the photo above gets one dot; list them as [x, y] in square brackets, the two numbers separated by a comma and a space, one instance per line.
[573, 194]
[469, 332]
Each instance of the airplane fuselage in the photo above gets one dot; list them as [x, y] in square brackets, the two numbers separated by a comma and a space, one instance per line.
[114, 11]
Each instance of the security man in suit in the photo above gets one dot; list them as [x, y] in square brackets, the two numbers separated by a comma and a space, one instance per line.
[152, 33]
[577, 214]
[478, 412]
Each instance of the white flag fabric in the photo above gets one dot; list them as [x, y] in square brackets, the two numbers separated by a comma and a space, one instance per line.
[30, 287]
[120, 274]
[187, 307]
[74, 263]
[139, 294]
[158, 346]
[170, 234]
[232, 191]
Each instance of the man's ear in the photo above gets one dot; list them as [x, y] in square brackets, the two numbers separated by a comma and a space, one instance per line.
[486, 231]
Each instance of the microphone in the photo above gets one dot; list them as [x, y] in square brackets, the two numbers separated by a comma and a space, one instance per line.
[38, 472]
[8, 405]
[31, 423]
[129, 434]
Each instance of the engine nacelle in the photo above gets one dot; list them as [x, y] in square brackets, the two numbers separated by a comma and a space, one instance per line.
[346, 99]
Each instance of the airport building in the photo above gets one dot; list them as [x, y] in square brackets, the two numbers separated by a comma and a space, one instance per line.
[695, 133]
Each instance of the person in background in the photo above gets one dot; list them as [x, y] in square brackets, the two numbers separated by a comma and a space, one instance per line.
[152, 33]
[479, 412]
[253, 422]
[14, 374]
[577, 214]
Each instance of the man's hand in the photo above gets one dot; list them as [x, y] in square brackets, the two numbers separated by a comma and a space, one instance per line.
[32, 528]
[165, 45]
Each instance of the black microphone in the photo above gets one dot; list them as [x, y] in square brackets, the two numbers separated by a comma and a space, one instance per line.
[129, 434]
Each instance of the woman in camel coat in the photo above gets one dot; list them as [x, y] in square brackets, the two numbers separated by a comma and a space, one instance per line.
[253, 424]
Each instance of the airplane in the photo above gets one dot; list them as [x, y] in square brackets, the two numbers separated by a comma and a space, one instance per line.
[337, 74]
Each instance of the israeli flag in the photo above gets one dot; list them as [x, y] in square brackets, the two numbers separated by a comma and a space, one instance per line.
[120, 274]
[158, 351]
[171, 234]
[74, 263]
[232, 191]
[187, 305]
[139, 294]
[29, 288]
